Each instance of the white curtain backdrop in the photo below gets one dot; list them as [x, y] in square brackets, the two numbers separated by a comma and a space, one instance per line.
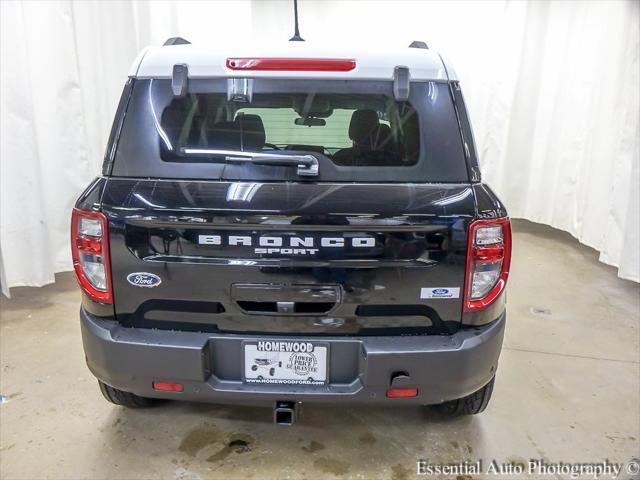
[552, 88]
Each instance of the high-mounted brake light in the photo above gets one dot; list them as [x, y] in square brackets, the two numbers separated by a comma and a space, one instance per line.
[90, 252]
[292, 64]
[488, 261]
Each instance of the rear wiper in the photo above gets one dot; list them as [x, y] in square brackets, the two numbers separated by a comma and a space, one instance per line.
[307, 164]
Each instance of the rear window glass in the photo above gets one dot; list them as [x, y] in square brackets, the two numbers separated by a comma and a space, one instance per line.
[350, 130]
[355, 129]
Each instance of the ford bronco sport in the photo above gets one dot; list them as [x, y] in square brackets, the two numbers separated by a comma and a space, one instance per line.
[286, 225]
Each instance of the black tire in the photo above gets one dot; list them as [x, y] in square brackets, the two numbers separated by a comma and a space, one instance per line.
[124, 399]
[471, 404]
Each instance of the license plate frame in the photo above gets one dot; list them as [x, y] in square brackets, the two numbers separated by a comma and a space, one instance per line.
[290, 364]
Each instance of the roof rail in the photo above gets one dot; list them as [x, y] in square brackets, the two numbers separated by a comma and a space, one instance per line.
[175, 41]
[419, 44]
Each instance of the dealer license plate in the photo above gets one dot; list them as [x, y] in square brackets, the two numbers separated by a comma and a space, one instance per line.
[285, 362]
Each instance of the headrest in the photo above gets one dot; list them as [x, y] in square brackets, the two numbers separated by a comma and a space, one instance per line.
[225, 135]
[364, 124]
[383, 136]
[173, 118]
[252, 130]
[172, 122]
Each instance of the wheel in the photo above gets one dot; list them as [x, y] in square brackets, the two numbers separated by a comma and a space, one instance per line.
[469, 405]
[124, 399]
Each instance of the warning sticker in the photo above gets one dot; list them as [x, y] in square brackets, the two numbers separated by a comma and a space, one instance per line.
[440, 292]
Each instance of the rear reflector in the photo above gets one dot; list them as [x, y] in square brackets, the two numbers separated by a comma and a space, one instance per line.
[168, 386]
[402, 392]
[291, 64]
[488, 262]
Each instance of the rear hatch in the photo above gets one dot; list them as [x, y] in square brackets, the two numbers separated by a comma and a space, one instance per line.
[392, 262]
[373, 243]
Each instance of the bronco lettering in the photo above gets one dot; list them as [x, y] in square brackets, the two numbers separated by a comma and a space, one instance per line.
[290, 245]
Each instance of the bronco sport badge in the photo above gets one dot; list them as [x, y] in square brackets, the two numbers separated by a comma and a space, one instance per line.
[289, 245]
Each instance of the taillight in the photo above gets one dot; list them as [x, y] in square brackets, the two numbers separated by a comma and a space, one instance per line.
[292, 64]
[488, 260]
[90, 252]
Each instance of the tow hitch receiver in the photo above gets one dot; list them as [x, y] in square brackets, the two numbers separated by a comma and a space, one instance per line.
[285, 413]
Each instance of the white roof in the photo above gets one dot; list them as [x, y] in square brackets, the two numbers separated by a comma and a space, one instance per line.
[374, 63]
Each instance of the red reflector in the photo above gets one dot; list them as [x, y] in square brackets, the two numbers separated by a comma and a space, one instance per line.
[168, 387]
[291, 64]
[402, 392]
[89, 244]
[489, 254]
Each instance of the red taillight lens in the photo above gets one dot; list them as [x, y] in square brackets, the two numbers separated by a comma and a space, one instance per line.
[167, 386]
[402, 392]
[90, 252]
[488, 261]
[291, 64]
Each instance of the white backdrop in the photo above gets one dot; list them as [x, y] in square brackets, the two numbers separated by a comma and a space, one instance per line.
[552, 88]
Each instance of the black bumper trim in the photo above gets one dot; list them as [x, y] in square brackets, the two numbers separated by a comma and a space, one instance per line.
[442, 367]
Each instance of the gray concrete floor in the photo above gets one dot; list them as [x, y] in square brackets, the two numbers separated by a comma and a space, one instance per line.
[567, 390]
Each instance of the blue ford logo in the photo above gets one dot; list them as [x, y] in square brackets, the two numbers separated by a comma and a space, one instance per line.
[440, 291]
[143, 279]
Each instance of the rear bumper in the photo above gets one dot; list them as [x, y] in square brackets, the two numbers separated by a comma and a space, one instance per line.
[210, 365]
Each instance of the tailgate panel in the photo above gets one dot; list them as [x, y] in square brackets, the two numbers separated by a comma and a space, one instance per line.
[294, 258]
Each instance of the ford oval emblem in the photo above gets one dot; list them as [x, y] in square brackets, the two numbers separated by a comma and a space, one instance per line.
[144, 279]
[440, 291]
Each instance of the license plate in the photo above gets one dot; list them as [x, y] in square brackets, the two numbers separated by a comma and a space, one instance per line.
[285, 362]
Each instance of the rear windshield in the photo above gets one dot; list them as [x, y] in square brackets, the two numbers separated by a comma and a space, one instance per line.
[355, 130]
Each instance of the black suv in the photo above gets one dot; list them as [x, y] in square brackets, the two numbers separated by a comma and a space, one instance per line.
[297, 227]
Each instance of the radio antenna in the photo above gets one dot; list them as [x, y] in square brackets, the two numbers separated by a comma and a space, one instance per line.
[296, 34]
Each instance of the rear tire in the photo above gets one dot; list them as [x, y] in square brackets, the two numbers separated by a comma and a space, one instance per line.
[471, 404]
[124, 399]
